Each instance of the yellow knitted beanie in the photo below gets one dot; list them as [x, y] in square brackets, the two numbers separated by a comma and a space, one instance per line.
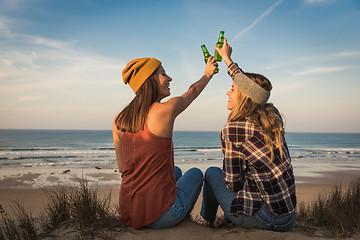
[138, 71]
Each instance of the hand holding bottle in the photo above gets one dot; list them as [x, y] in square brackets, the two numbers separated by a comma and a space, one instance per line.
[211, 67]
[225, 52]
[207, 55]
[219, 44]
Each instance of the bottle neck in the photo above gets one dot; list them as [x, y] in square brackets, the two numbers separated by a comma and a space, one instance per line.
[204, 49]
[221, 37]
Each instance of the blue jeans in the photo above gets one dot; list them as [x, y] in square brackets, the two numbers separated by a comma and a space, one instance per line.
[215, 192]
[188, 189]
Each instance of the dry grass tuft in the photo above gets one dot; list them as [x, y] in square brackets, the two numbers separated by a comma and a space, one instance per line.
[78, 206]
[21, 225]
[336, 213]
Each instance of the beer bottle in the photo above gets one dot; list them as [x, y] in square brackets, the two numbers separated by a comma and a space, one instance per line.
[219, 44]
[207, 55]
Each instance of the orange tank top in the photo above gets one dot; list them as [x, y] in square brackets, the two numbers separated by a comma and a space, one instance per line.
[148, 187]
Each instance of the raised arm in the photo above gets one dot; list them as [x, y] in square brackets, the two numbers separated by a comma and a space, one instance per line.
[179, 104]
[162, 115]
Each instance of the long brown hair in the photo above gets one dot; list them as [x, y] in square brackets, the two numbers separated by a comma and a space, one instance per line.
[132, 117]
[267, 117]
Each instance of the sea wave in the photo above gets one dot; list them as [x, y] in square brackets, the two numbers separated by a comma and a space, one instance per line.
[52, 157]
[4, 150]
[70, 163]
[197, 149]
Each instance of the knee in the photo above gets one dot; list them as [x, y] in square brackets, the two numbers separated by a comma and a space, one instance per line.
[178, 173]
[211, 171]
[177, 169]
[196, 173]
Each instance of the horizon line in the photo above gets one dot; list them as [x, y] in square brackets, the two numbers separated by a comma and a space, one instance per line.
[53, 129]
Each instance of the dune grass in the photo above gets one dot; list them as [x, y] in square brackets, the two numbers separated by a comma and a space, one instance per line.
[20, 226]
[336, 213]
[78, 206]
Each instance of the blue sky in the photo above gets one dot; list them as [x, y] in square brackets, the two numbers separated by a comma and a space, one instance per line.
[61, 61]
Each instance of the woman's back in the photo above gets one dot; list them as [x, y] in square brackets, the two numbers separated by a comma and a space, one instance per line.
[261, 179]
[148, 186]
[143, 144]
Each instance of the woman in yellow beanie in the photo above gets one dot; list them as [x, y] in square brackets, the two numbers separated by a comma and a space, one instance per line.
[153, 192]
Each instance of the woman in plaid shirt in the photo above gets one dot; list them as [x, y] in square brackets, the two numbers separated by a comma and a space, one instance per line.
[256, 187]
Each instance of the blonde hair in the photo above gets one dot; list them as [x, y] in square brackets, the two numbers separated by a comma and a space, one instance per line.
[266, 116]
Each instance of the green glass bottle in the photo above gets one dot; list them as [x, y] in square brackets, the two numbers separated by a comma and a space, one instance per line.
[219, 44]
[206, 55]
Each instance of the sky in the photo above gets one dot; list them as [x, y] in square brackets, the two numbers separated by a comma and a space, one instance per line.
[61, 60]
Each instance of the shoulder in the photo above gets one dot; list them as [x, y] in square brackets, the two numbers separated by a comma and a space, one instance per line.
[239, 130]
[159, 110]
[160, 120]
[166, 109]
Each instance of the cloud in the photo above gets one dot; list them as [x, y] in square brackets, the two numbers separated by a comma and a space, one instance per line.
[257, 20]
[334, 58]
[45, 42]
[35, 55]
[310, 2]
[290, 87]
[55, 69]
[346, 54]
[50, 69]
[10, 4]
[31, 98]
[6, 25]
[55, 83]
[319, 70]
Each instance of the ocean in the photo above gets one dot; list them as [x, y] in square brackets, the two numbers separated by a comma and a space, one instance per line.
[311, 153]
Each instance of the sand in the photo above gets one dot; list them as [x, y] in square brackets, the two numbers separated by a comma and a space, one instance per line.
[26, 187]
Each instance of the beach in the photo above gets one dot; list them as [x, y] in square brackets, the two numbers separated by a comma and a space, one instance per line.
[26, 186]
[34, 160]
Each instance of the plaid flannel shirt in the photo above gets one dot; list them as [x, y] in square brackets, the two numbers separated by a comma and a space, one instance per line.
[249, 172]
